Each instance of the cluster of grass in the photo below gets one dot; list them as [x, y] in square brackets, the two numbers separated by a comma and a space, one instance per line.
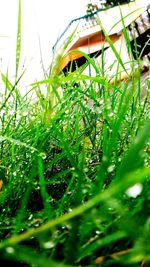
[66, 166]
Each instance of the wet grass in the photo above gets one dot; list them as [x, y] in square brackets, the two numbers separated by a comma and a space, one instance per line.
[67, 162]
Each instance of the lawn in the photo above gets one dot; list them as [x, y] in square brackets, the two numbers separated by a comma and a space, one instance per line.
[74, 169]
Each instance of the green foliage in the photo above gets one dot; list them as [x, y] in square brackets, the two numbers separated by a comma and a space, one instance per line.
[67, 163]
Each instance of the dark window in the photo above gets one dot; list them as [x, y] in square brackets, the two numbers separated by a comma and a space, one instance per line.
[141, 45]
[139, 34]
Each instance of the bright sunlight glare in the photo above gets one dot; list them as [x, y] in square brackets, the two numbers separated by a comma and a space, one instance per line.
[42, 22]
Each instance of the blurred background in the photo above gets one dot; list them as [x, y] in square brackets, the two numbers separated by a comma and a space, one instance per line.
[42, 23]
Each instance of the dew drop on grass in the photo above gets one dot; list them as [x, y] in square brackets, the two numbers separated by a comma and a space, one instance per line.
[25, 113]
[111, 168]
[48, 244]
[134, 191]
[67, 111]
[86, 169]
[10, 250]
[84, 191]
[101, 102]
[63, 227]
[42, 155]
[30, 217]
[111, 114]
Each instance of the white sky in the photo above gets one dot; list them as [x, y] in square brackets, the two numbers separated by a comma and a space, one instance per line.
[43, 18]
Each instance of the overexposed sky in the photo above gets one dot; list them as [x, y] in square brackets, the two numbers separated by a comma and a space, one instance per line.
[44, 19]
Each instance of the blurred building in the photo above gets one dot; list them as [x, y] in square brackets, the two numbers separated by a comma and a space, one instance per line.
[89, 36]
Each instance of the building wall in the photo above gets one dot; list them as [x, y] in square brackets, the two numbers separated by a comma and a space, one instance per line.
[130, 12]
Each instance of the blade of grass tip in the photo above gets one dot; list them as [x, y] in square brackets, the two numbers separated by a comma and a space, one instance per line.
[7, 83]
[146, 44]
[5, 80]
[11, 91]
[18, 42]
[81, 68]
[9, 86]
[112, 46]
[18, 50]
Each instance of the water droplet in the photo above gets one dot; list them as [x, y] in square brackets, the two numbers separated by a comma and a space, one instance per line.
[86, 169]
[111, 114]
[111, 168]
[25, 113]
[49, 244]
[10, 250]
[134, 191]
[42, 155]
[30, 217]
[84, 191]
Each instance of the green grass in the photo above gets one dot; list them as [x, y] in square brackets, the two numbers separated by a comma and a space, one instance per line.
[66, 163]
